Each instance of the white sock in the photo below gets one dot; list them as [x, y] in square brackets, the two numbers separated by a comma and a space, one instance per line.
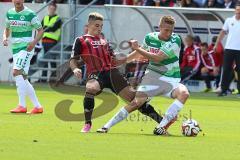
[121, 115]
[32, 95]
[21, 90]
[171, 113]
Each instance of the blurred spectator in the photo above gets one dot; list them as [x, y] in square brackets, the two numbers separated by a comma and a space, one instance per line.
[61, 1]
[85, 2]
[38, 1]
[28, 1]
[52, 28]
[165, 3]
[128, 2]
[209, 70]
[229, 4]
[100, 2]
[200, 3]
[138, 2]
[197, 41]
[114, 1]
[188, 3]
[213, 4]
[133, 2]
[148, 3]
[52, 31]
[57, 1]
[221, 2]
[191, 60]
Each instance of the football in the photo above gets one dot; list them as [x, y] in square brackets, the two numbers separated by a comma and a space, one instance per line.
[190, 128]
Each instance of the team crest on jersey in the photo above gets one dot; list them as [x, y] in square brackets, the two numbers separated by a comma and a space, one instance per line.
[22, 18]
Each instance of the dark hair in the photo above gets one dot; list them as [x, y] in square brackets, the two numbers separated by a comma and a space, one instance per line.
[214, 39]
[53, 4]
[197, 39]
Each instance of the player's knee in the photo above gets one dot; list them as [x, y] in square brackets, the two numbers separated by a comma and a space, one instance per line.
[184, 94]
[140, 102]
[135, 104]
[92, 89]
[204, 70]
[141, 99]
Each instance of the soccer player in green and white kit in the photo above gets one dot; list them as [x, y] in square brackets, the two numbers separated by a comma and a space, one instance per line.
[20, 23]
[162, 76]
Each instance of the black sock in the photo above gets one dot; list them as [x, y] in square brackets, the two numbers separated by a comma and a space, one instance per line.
[217, 80]
[148, 110]
[88, 104]
[206, 78]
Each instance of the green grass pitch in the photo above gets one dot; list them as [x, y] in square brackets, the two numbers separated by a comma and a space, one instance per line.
[46, 137]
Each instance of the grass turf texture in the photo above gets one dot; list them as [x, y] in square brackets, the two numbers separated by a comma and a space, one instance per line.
[25, 137]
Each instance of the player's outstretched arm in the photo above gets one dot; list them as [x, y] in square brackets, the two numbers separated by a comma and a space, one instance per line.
[133, 55]
[6, 34]
[153, 57]
[220, 38]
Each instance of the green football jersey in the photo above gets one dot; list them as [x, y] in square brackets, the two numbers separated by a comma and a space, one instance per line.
[168, 67]
[21, 25]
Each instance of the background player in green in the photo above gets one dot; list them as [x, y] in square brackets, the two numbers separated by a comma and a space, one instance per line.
[162, 75]
[20, 23]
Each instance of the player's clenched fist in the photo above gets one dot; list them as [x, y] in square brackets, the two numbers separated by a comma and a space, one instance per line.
[134, 44]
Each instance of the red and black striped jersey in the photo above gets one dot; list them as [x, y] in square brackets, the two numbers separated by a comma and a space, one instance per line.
[209, 60]
[94, 51]
[191, 57]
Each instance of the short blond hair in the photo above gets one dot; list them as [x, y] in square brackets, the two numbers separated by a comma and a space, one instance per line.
[168, 20]
[95, 16]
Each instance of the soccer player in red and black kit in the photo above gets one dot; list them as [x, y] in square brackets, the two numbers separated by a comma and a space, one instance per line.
[101, 70]
[210, 66]
[191, 60]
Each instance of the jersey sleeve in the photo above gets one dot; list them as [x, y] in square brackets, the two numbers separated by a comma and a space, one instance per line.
[145, 42]
[76, 49]
[36, 23]
[225, 25]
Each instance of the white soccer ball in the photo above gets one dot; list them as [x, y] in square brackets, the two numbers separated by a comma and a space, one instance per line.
[190, 128]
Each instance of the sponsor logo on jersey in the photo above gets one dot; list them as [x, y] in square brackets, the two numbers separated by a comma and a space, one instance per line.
[18, 23]
[153, 50]
[95, 44]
